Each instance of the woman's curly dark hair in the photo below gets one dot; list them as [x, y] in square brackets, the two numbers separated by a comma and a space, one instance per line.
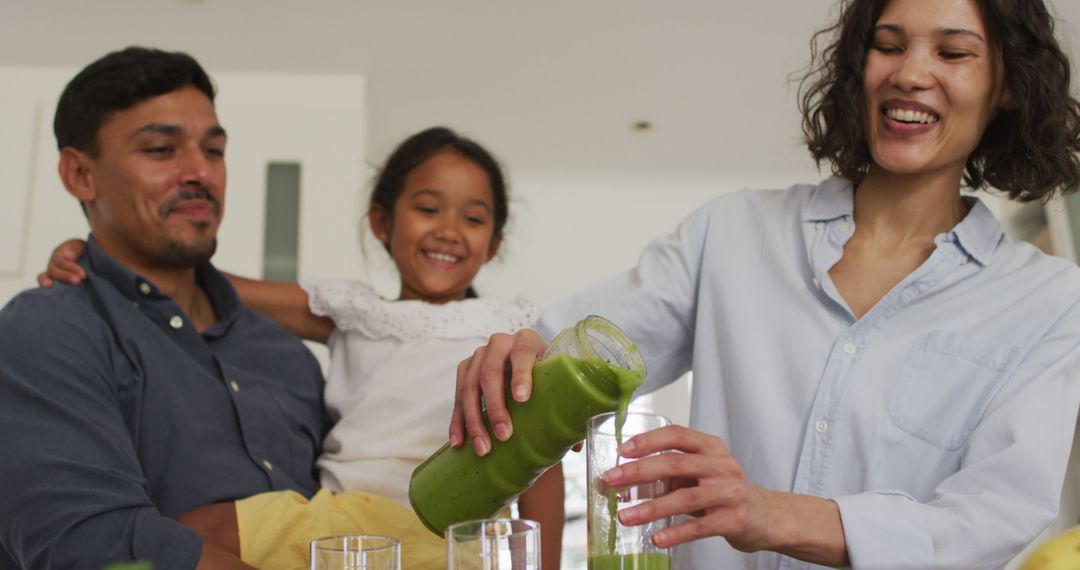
[1028, 151]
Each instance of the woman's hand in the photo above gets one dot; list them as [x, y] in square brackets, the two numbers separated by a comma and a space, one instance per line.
[484, 374]
[62, 266]
[709, 485]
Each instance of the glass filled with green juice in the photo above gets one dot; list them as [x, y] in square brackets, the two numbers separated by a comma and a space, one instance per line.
[612, 545]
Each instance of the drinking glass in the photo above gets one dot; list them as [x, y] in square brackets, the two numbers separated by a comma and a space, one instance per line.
[356, 552]
[612, 545]
[495, 544]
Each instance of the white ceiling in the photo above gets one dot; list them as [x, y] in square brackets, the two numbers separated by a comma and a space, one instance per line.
[547, 84]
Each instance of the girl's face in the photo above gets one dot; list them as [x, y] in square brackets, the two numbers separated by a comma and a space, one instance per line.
[441, 230]
[933, 83]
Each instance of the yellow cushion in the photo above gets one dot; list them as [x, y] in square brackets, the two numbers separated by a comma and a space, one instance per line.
[277, 528]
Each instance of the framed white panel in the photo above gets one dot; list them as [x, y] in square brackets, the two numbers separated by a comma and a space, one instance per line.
[18, 122]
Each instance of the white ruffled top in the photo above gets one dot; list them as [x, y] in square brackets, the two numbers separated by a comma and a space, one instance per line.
[390, 385]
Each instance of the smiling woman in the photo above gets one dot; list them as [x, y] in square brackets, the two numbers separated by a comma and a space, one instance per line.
[868, 351]
[1028, 145]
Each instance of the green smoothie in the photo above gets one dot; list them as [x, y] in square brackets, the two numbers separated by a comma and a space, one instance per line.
[646, 560]
[455, 485]
[642, 561]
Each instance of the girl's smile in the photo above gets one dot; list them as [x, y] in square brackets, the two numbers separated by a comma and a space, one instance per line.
[441, 230]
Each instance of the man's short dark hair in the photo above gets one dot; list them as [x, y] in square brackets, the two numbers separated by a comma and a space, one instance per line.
[118, 81]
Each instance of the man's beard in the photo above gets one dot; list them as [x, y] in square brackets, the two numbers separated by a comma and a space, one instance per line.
[181, 254]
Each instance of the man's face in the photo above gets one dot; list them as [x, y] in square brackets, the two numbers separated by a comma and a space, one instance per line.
[156, 189]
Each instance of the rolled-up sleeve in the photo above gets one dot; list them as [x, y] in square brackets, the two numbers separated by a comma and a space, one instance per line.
[1009, 482]
[72, 492]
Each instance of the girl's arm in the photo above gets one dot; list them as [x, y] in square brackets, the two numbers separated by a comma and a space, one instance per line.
[543, 503]
[284, 303]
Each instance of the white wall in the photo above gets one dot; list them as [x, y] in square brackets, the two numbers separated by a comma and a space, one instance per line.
[48, 214]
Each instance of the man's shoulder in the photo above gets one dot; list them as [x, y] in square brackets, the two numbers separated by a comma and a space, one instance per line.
[56, 313]
[60, 300]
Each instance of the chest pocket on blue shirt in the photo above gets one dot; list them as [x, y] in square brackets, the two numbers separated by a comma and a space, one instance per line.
[945, 384]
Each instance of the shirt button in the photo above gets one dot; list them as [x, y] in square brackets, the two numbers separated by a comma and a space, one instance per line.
[144, 288]
[269, 466]
[844, 226]
[176, 322]
[817, 283]
[822, 426]
[235, 387]
[849, 348]
[819, 226]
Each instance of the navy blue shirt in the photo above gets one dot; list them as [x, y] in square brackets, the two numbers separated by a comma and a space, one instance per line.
[117, 415]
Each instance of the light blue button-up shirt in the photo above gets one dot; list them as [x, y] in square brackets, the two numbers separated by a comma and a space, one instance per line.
[940, 422]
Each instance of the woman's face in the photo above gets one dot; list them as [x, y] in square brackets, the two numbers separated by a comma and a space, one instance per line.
[933, 83]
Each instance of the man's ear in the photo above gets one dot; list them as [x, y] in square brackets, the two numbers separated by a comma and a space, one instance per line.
[493, 249]
[75, 173]
[379, 220]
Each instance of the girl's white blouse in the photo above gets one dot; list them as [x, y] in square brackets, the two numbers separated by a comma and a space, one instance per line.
[390, 385]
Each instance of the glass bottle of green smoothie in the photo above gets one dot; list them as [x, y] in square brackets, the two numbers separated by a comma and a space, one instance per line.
[588, 369]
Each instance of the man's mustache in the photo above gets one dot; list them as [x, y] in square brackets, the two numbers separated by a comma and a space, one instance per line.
[189, 194]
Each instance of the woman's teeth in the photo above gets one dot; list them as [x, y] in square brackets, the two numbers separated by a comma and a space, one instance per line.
[909, 116]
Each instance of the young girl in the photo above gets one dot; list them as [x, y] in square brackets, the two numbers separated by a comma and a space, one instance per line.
[439, 207]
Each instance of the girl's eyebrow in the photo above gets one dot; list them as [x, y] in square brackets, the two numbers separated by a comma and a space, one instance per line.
[437, 194]
[426, 192]
[946, 32]
[482, 203]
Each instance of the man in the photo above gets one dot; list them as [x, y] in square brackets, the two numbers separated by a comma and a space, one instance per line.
[150, 390]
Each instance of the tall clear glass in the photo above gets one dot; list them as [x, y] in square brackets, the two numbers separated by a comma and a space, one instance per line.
[495, 544]
[612, 545]
[356, 552]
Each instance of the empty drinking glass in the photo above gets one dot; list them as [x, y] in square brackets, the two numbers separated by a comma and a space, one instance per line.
[496, 544]
[356, 552]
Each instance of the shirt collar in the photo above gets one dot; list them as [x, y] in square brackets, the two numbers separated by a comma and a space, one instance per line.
[978, 234]
[832, 199]
[135, 287]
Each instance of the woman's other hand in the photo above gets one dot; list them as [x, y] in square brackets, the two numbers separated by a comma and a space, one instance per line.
[709, 485]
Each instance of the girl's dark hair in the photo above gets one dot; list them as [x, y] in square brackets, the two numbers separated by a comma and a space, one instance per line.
[415, 150]
[1028, 150]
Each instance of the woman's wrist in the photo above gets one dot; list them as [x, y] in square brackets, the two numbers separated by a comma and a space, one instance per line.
[804, 527]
